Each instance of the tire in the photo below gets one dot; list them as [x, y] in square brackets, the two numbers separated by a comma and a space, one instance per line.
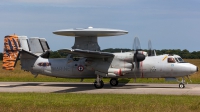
[114, 82]
[99, 86]
[181, 85]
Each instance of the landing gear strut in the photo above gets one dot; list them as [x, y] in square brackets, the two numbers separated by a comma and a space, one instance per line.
[98, 83]
[114, 81]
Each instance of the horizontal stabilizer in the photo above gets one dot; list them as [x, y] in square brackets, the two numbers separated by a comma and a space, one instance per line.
[27, 55]
[45, 54]
[88, 53]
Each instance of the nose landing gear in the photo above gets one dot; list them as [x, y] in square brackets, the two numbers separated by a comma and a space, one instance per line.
[182, 83]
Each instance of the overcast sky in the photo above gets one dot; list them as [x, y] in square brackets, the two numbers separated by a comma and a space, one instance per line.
[170, 24]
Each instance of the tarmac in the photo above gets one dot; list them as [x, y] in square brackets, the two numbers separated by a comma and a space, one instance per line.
[128, 88]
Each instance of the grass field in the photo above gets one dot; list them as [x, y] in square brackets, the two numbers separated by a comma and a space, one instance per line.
[50, 102]
[21, 76]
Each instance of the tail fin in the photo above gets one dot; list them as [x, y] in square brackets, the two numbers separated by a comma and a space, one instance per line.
[38, 45]
[11, 52]
[32, 48]
[23, 43]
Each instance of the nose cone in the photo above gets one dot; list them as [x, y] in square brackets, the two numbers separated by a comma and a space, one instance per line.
[193, 68]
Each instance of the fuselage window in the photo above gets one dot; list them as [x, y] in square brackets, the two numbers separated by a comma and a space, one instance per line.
[171, 60]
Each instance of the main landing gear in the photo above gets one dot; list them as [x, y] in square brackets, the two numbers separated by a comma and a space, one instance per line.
[99, 83]
[114, 81]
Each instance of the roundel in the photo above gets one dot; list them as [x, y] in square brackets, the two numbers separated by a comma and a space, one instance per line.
[80, 68]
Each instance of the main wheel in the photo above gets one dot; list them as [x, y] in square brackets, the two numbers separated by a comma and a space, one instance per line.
[181, 85]
[114, 82]
[100, 85]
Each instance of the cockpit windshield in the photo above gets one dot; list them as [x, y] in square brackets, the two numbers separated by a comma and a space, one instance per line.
[175, 59]
[180, 60]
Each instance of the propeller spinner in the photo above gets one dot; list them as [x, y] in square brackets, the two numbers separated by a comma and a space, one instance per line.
[138, 54]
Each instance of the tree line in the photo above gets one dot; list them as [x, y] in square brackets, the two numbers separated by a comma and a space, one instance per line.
[183, 53]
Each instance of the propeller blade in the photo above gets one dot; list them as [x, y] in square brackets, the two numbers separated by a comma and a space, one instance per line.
[149, 48]
[151, 52]
[136, 44]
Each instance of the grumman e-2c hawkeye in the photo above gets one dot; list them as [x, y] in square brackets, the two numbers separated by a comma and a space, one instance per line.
[85, 60]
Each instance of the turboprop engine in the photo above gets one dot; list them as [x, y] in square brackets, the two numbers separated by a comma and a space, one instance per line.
[118, 71]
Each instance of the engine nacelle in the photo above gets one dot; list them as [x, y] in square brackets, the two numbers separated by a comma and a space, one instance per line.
[118, 71]
[114, 72]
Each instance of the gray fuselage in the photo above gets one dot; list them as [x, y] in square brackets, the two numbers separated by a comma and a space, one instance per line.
[120, 66]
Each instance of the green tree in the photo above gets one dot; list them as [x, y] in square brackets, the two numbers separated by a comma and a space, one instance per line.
[54, 54]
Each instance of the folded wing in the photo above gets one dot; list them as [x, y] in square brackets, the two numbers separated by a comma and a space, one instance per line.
[87, 53]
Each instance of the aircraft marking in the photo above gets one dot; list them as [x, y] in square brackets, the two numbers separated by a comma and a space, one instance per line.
[61, 68]
[44, 64]
[120, 72]
[164, 58]
[80, 68]
[153, 69]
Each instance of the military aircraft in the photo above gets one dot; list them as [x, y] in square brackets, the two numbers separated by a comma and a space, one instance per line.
[85, 60]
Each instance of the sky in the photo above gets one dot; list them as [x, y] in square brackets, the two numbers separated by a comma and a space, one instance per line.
[169, 24]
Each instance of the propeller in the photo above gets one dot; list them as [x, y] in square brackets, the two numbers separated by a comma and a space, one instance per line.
[138, 55]
[150, 48]
[136, 44]
[151, 52]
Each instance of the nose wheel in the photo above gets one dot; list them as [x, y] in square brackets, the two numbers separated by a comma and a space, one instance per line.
[181, 85]
[114, 81]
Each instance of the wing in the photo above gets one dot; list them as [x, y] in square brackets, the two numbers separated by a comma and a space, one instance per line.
[88, 53]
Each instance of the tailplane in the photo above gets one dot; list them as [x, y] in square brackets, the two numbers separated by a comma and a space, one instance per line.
[16, 47]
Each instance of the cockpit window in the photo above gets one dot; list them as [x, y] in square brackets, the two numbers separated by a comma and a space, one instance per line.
[180, 60]
[171, 60]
